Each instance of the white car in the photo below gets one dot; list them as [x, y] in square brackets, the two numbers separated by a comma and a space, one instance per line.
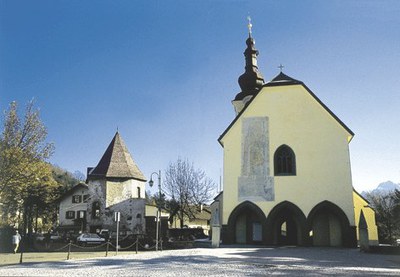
[88, 238]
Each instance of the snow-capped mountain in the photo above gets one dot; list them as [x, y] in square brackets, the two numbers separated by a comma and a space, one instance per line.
[384, 188]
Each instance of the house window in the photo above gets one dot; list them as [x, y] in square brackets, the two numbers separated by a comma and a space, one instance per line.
[138, 192]
[284, 161]
[81, 214]
[70, 215]
[77, 199]
[96, 209]
[85, 198]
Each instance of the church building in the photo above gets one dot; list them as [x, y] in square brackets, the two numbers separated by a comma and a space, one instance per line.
[287, 176]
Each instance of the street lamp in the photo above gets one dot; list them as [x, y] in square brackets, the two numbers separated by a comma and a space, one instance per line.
[158, 228]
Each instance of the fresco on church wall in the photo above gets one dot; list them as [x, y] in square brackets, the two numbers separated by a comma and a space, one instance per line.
[255, 182]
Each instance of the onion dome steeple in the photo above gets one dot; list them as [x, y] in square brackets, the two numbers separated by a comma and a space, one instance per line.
[251, 80]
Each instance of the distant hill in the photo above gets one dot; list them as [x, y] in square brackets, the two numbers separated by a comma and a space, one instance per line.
[383, 188]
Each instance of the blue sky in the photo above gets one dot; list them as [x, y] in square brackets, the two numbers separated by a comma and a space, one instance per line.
[164, 73]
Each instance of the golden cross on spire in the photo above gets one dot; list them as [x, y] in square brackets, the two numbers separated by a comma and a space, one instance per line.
[249, 25]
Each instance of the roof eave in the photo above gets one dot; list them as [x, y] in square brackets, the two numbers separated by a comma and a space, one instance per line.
[236, 118]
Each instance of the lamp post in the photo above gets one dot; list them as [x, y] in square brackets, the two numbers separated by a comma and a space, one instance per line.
[151, 182]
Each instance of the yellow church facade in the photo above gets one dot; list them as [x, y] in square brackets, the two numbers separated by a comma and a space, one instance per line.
[287, 174]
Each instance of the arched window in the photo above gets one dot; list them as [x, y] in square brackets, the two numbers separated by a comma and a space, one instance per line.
[284, 161]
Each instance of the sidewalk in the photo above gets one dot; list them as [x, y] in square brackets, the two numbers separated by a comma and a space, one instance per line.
[33, 257]
[289, 261]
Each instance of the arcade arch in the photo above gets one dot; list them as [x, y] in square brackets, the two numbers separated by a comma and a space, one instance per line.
[246, 224]
[287, 225]
[329, 225]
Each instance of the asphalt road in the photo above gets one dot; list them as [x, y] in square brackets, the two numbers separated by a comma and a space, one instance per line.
[228, 261]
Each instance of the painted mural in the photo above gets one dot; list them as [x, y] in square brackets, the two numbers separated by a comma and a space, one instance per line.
[255, 182]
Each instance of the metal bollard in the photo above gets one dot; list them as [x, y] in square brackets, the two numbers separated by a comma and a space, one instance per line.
[22, 246]
[69, 249]
[108, 243]
[137, 244]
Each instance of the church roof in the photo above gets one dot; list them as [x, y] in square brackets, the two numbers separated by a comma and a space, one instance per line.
[117, 162]
[284, 80]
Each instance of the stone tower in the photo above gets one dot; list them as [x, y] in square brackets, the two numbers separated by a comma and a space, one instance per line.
[116, 184]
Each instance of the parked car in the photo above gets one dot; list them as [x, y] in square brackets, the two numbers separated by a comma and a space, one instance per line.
[70, 236]
[398, 242]
[89, 238]
[104, 233]
[55, 237]
[39, 237]
[112, 235]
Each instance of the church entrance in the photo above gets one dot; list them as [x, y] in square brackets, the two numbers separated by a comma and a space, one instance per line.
[287, 225]
[246, 224]
[326, 230]
[328, 225]
[248, 229]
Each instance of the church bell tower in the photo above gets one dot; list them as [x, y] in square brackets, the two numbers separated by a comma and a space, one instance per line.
[251, 80]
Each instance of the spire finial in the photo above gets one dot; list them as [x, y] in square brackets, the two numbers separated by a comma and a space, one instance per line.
[249, 25]
[280, 67]
[251, 80]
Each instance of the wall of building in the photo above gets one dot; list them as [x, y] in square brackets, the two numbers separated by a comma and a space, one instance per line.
[293, 117]
[361, 204]
[66, 204]
[117, 196]
[119, 190]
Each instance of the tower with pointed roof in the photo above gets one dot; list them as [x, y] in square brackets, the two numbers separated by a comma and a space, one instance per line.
[116, 184]
[251, 81]
[287, 177]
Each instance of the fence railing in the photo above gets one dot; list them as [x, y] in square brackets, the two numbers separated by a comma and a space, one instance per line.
[107, 245]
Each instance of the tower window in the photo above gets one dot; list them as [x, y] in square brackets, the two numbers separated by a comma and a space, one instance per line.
[138, 192]
[81, 214]
[284, 161]
[96, 210]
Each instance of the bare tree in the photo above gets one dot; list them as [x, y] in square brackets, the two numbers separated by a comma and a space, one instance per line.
[386, 206]
[187, 187]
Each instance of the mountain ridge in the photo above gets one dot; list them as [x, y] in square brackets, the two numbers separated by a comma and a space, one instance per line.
[383, 188]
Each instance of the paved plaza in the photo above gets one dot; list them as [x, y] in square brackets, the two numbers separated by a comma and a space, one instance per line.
[229, 261]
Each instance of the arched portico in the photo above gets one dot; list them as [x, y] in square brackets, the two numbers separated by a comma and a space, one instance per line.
[330, 226]
[286, 225]
[246, 225]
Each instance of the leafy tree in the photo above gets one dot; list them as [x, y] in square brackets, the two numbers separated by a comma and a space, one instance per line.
[26, 181]
[387, 209]
[65, 180]
[187, 187]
